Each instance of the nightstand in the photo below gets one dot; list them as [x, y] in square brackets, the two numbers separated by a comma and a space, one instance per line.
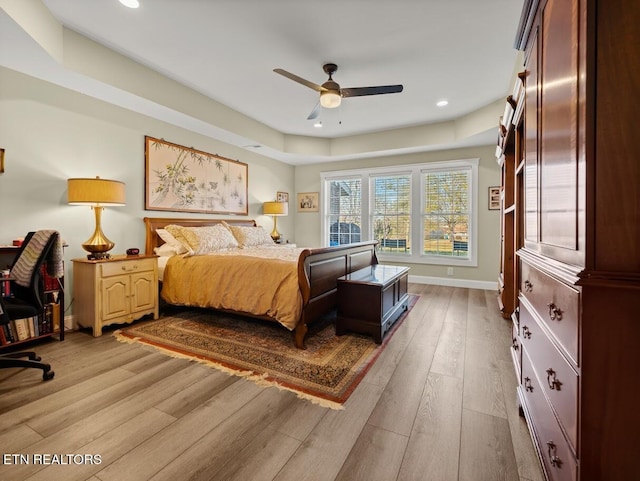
[114, 291]
[287, 244]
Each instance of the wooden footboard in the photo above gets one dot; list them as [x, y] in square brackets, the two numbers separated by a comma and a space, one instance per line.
[318, 272]
[318, 268]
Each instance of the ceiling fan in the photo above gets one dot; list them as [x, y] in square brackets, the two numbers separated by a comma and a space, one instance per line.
[330, 92]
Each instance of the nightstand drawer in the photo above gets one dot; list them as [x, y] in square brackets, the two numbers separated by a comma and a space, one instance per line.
[557, 305]
[118, 268]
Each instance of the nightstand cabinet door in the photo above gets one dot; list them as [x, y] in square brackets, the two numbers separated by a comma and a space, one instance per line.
[143, 292]
[114, 294]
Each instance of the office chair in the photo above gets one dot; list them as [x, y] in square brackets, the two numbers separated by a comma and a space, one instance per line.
[27, 287]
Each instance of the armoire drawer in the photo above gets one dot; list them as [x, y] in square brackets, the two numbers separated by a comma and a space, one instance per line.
[556, 303]
[127, 267]
[557, 377]
[558, 460]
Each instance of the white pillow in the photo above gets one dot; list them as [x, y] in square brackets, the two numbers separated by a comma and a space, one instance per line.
[166, 250]
[170, 241]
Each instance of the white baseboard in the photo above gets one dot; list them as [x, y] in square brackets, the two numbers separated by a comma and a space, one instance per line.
[449, 281]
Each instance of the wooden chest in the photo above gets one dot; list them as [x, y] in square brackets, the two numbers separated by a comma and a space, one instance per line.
[371, 299]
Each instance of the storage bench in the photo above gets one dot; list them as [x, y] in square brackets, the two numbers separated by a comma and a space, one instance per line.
[371, 299]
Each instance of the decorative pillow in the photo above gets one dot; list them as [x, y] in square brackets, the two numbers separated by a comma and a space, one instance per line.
[251, 236]
[179, 241]
[170, 241]
[203, 240]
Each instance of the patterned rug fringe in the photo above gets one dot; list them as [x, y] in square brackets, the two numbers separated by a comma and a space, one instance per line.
[259, 379]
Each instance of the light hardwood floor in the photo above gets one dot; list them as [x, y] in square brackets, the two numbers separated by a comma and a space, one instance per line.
[439, 404]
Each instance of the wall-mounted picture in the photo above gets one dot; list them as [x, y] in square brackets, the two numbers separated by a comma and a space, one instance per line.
[1, 161]
[183, 179]
[282, 196]
[494, 198]
[308, 202]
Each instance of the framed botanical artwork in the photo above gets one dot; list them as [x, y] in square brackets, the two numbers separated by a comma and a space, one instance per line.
[282, 196]
[1, 161]
[308, 202]
[183, 179]
[494, 198]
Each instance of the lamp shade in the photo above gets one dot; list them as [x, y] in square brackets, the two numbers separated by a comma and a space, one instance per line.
[275, 208]
[95, 191]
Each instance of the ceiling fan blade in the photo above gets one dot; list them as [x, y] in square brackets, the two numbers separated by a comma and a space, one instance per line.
[300, 80]
[361, 91]
[314, 113]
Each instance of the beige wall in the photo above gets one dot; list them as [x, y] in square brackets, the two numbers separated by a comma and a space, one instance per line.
[307, 225]
[51, 133]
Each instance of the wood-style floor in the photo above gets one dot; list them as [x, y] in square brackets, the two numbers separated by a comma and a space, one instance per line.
[439, 404]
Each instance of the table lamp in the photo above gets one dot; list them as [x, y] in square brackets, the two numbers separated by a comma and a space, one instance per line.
[97, 193]
[275, 209]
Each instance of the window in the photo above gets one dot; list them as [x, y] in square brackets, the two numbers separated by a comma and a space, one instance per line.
[446, 212]
[344, 211]
[421, 213]
[391, 212]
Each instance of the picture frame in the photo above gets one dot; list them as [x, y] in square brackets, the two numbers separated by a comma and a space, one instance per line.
[308, 201]
[1, 161]
[282, 197]
[184, 179]
[494, 198]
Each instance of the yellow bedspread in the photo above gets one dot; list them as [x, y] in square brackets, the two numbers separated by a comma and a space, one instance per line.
[259, 281]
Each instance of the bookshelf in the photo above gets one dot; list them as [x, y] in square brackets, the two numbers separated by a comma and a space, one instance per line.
[49, 323]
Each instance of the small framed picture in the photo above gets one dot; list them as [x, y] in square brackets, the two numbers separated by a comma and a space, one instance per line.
[1, 161]
[308, 201]
[494, 198]
[282, 196]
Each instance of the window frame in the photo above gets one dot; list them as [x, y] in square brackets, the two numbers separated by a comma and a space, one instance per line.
[416, 171]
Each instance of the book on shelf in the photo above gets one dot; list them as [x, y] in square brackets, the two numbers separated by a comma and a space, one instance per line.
[50, 283]
[55, 317]
[8, 332]
[22, 328]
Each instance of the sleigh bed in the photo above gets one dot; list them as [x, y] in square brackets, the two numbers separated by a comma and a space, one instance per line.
[289, 285]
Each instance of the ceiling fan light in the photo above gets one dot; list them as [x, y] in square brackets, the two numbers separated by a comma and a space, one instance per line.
[130, 3]
[330, 99]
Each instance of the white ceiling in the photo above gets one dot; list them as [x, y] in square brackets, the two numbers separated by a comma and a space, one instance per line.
[459, 50]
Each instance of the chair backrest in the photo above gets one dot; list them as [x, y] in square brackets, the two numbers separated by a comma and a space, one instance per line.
[4, 316]
[34, 292]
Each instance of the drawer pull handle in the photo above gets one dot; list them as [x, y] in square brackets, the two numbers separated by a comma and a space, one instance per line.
[527, 384]
[552, 381]
[528, 287]
[556, 462]
[555, 314]
[514, 343]
[526, 333]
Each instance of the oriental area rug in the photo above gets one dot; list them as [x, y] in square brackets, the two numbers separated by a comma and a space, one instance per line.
[326, 372]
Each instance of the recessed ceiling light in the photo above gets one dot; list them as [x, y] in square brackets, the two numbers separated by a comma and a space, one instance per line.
[318, 124]
[130, 3]
[442, 103]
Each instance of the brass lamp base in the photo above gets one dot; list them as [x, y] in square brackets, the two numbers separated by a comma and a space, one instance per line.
[275, 235]
[98, 245]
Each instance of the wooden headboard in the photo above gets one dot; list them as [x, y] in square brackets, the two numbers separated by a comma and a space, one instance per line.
[153, 223]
